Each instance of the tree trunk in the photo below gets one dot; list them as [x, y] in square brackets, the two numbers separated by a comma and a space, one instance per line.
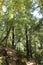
[7, 33]
[30, 50]
[7, 36]
[12, 36]
[27, 46]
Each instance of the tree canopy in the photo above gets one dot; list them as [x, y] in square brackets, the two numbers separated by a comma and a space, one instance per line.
[21, 27]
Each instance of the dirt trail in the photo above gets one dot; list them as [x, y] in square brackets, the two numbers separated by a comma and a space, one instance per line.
[32, 62]
[10, 57]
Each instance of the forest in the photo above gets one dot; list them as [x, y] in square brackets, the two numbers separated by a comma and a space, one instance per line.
[21, 32]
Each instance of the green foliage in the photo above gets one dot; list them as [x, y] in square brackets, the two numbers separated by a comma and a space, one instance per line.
[19, 14]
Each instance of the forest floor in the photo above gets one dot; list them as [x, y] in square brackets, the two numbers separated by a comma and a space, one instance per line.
[9, 57]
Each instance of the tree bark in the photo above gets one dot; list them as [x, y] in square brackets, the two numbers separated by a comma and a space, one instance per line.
[30, 50]
[7, 33]
[12, 36]
[7, 36]
[27, 46]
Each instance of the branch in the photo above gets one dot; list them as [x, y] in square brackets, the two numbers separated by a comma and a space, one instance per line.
[7, 33]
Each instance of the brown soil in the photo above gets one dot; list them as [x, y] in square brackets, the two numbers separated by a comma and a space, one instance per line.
[11, 58]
